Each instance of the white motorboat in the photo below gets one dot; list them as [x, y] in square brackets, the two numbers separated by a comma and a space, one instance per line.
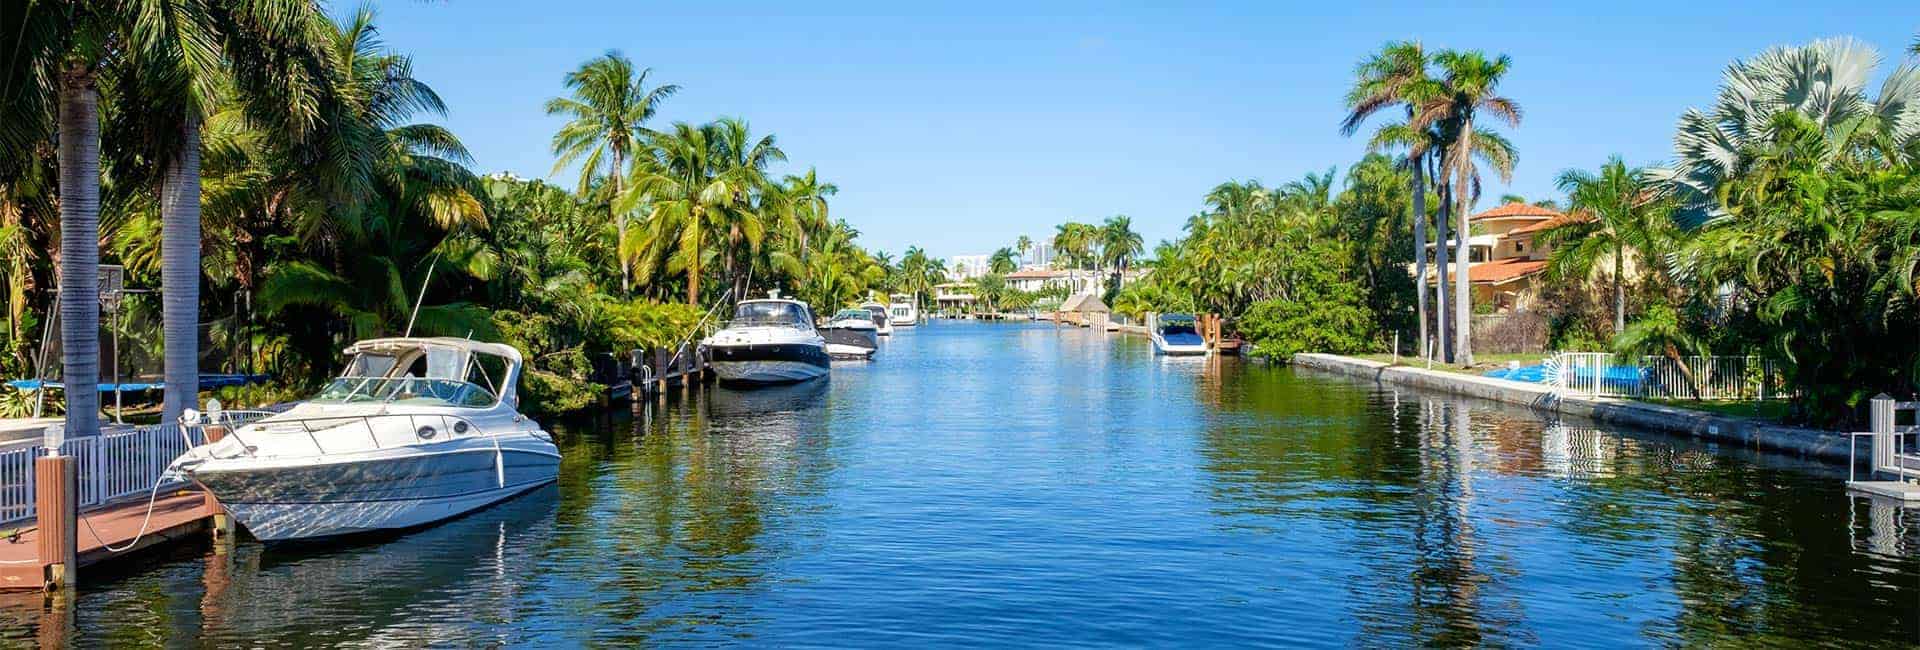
[905, 310]
[769, 341]
[1174, 335]
[882, 325]
[851, 334]
[416, 430]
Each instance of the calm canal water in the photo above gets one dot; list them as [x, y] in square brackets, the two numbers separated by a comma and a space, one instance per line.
[1005, 484]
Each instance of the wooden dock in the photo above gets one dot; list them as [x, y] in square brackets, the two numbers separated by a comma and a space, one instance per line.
[177, 515]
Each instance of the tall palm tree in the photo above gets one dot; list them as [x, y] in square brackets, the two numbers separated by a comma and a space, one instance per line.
[609, 106]
[202, 49]
[1619, 211]
[809, 196]
[1022, 245]
[1119, 244]
[1396, 77]
[1472, 83]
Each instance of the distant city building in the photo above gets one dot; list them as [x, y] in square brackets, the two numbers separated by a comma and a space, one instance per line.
[1039, 256]
[967, 267]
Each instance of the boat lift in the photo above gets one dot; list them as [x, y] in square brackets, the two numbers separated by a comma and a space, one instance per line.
[1890, 454]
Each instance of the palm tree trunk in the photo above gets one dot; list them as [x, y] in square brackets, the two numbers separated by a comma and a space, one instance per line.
[620, 224]
[80, 249]
[1420, 252]
[693, 265]
[1440, 254]
[1619, 289]
[1462, 292]
[180, 274]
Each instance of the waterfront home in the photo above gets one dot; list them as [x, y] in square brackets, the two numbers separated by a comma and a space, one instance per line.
[1506, 257]
[953, 296]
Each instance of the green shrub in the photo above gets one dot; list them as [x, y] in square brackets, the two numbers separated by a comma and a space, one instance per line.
[1331, 318]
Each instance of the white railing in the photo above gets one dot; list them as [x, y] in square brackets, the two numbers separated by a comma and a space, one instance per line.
[118, 464]
[1601, 374]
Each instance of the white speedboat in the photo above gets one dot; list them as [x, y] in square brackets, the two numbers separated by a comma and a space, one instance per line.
[905, 310]
[416, 430]
[851, 334]
[1174, 335]
[769, 341]
[882, 325]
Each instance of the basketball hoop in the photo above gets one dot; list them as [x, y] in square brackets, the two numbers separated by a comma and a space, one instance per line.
[113, 284]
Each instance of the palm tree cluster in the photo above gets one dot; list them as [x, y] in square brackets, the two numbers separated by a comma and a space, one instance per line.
[1301, 248]
[1107, 249]
[269, 160]
[1441, 103]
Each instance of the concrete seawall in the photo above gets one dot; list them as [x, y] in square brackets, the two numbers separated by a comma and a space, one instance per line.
[1745, 432]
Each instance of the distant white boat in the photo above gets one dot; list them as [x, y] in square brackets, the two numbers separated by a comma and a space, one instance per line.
[905, 311]
[1175, 335]
[769, 341]
[416, 430]
[882, 324]
[851, 334]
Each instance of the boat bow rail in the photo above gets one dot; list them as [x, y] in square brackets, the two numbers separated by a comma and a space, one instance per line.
[397, 428]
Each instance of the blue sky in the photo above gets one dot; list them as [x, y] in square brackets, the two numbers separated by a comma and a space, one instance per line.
[958, 126]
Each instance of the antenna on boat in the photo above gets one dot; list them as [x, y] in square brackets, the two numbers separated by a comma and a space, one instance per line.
[423, 296]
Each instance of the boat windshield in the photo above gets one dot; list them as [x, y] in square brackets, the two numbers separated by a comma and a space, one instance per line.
[770, 314]
[1177, 324]
[853, 313]
[430, 376]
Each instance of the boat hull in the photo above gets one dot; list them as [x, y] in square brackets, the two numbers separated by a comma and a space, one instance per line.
[777, 363]
[1187, 345]
[392, 490]
[850, 343]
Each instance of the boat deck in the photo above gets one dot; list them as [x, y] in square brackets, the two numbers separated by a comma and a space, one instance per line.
[175, 515]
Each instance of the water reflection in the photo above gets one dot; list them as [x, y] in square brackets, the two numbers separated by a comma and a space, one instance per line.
[996, 484]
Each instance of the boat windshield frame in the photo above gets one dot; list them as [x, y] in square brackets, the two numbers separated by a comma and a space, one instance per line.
[853, 312]
[420, 375]
[774, 313]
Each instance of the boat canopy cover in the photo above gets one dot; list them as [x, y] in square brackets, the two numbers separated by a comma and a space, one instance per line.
[777, 313]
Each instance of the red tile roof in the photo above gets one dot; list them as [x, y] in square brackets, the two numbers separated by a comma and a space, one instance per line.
[1517, 211]
[1501, 271]
[1038, 274]
[1550, 223]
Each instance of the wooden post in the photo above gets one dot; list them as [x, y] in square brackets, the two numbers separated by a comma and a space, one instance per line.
[57, 498]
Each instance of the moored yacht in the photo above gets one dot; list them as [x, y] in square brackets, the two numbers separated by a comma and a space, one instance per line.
[1174, 335]
[851, 334]
[769, 341]
[416, 430]
[882, 325]
[905, 310]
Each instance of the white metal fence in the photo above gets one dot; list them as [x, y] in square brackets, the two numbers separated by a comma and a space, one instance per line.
[117, 464]
[1601, 374]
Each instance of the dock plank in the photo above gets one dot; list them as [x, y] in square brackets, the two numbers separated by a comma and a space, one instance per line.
[175, 515]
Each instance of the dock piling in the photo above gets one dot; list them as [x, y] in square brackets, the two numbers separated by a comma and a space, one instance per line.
[56, 493]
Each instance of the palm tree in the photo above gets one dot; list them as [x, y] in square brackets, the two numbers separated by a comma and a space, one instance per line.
[1023, 244]
[701, 183]
[809, 196]
[1472, 83]
[1824, 81]
[1002, 262]
[1119, 244]
[1397, 77]
[1617, 212]
[608, 110]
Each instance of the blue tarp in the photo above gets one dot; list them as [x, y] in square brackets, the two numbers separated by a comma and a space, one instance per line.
[1622, 377]
[206, 382]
